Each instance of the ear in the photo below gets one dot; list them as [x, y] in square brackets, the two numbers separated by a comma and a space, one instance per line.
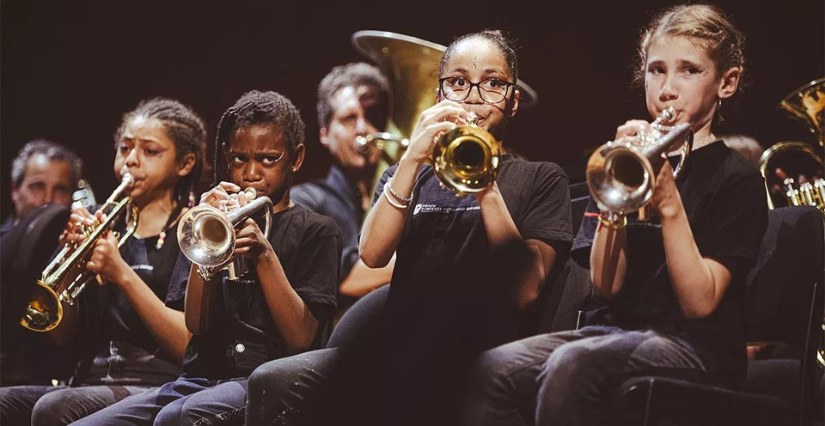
[323, 135]
[729, 82]
[14, 192]
[298, 161]
[187, 163]
[514, 104]
[438, 96]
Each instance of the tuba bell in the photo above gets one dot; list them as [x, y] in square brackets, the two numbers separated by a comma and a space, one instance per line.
[621, 175]
[806, 103]
[206, 235]
[65, 278]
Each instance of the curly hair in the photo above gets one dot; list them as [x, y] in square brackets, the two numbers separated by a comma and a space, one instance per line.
[267, 108]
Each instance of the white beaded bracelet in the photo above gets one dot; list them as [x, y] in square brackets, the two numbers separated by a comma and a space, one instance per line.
[390, 200]
[397, 196]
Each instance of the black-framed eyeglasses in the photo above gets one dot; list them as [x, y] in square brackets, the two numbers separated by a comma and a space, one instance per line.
[491, 90]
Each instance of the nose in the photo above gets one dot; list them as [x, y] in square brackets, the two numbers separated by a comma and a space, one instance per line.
[668, 91]
[252, 172]
[49, 195]
[474, 98]
[132, 158]
[362, 126]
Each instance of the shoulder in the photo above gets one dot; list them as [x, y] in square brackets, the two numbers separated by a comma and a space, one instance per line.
[310, 194]
[313, 224]
[735, 169]
[539, 168]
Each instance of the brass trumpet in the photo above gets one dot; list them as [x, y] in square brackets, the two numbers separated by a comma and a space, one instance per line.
[206, 235]
[466, 158]
[390, 145]
[65, 278]
[621, 175]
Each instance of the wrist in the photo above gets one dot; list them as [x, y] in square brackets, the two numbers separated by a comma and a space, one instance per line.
[410, 160]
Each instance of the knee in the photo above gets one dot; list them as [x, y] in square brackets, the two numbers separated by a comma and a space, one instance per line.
[169, 415]
[57, 408]
[490, 371]
[274, 377]
[569, 368]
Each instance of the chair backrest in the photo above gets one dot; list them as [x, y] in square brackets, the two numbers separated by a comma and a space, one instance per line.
[784, 296]
[570, 292]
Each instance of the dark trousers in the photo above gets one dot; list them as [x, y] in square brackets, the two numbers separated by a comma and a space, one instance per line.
[57, 406]
[565, 378]
[182, 402]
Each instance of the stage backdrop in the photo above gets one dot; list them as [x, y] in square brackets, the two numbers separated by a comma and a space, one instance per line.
[70, 69]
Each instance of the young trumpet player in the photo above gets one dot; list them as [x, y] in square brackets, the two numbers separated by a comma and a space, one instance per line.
[285, 302]
[674, 284]
[129, 332]
[447, 286]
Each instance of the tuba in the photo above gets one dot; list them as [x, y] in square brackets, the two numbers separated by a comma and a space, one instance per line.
[65, 278]
[621, 175]
[206, 234]
[806, 103]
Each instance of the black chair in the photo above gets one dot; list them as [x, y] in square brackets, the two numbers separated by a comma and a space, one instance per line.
[784, 305]
[570, 292]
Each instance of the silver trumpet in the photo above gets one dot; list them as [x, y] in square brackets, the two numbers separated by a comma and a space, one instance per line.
[206, 235]
[621, 175]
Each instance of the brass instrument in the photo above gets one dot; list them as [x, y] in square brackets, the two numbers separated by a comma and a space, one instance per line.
[65, 278]
[206, 234]
[411, 67]
[806, 103]
[807, 194]
[621, 175]
[466, 158]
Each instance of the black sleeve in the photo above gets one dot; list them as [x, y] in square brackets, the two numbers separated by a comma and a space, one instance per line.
[176, 296]
[317, 267]
[548, 218]
[385, 177]
[739, 219]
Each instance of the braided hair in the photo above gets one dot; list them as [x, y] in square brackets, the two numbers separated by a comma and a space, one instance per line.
[182, 126]
[261, 108]
[187, 131]
[504, 44]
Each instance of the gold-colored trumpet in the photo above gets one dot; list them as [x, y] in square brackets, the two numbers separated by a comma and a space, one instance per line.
[206, 235]
[621, 175]
[466, 158]
[65, 278]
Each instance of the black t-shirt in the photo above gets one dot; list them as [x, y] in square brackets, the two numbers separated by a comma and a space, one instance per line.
[242, 334]
[444, 263]
[124, 351]
[724, 198]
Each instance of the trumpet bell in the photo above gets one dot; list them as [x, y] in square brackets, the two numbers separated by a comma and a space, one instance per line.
[206, 236]
[466, 159]
[619, 178]
[44, 311]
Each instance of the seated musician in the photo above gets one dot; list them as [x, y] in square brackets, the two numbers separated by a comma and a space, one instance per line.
[129, 332]
[443, 304]
[353, 100]
[282, 306]
[675, 284]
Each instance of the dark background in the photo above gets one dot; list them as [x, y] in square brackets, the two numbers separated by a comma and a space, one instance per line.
[70, 69]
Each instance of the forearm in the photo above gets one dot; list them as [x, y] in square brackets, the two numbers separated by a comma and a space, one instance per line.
[498, 223]
[165, 324]
[289, 312]
[362, 279]
[385, 223]
[543, 258]
[198, 302]
[690, 275]
[608, 263]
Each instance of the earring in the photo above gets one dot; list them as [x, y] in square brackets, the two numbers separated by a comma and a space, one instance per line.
[719, 104]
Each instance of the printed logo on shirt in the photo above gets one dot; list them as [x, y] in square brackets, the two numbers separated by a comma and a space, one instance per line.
[143, 267]
[432, 208]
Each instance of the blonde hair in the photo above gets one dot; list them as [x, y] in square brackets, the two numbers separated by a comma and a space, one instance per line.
[722, 41]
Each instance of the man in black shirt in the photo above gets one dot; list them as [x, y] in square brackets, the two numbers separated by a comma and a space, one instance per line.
[353, 100]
